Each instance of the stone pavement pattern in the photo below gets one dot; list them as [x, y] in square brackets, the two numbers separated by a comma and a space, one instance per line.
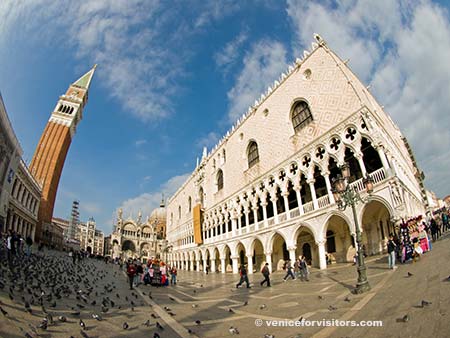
[215, 302]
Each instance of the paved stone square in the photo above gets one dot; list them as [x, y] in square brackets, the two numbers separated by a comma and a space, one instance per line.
[215, 302]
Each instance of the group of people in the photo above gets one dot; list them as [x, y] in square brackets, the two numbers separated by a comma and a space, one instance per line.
[415, 237]
[298, 270]
[154, 272]
[14, 245]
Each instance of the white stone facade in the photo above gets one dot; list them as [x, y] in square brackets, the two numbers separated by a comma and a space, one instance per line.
[282, 206]
[24, 203]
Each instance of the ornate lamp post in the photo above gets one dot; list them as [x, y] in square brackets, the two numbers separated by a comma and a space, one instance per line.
[344, 195]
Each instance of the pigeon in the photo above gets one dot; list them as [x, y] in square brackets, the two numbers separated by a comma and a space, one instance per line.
[125, 326]
[231, 310]
[245, 303]
[159, 326]
[156, 335]
[425, 303]
[198, 322]
[82, 324]
[269, 335]
[262, 306]
[405, 318]
[320, 297]
[3, 311]
[97, 317]
[171, 298]
[190, 331]
[233, 330]
[347, 299]
[409, 274]
[171, 313]
[332, 308]
[194, 306]
[147, 323]
[43, 325]
[154, 316]
[167, 308]
[62, 319]
[84, 334]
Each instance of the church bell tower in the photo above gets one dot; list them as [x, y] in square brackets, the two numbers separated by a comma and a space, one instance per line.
[48, 160]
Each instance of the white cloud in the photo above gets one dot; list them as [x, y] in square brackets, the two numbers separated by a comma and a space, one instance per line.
[230, 53]
[149, 201]
[90, 208]
[403, 49]
[262, 65]
[140, 142]
[215, 10]
[209, 140]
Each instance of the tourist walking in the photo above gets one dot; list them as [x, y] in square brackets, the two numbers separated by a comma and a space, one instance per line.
[244, 277]
[29, 243]
[266, 273]
[173, 276]
[304, 273]
[391, 247]
[289, 272]
[131, 271]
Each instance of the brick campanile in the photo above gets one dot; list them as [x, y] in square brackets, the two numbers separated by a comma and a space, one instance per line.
[48, 160]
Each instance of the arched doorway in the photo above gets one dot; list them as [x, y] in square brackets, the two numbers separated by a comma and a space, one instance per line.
[339, 242]
[306, 246]
[89, 250]
[376, 227]
[128, 249]
[241, 253]
[228, 261]
[279, 252]
[216, 259]
[259, 259]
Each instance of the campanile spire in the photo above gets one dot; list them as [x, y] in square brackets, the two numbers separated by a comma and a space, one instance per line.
[50, 154]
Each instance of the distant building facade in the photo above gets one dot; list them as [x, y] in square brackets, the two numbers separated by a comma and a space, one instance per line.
[263, 193]
[107, 246]
[91, 239]
[24, 203]
[10, 157]
[137, 239]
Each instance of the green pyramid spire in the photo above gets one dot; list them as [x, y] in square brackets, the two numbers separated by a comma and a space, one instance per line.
[85, 80]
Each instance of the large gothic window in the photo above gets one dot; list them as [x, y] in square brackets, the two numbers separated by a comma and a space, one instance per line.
[252, 154]
[301, 115]
[220, 180]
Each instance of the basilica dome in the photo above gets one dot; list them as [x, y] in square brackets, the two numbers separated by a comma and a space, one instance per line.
[159, 213]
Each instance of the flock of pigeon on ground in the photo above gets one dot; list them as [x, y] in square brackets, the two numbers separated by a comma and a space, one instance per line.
[52, 292]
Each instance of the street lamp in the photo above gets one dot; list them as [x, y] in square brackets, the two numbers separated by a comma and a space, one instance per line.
[345, 195]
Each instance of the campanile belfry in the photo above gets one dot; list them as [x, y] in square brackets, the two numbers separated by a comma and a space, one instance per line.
[48, 160]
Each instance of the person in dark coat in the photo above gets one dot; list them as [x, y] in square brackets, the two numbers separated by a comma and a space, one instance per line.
[131, 271]
[244, 277]
[266, 273]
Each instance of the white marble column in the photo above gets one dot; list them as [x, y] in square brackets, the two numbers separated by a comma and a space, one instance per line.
[384, 160]
[234, 226]
[264, 206]
[213, 265]
[255, 216]
[286, 204]
[326, 175]
[235, 261]
[322, 258]
[204, 264]
[250, 264]
[359, 157]
[275, 210]
[198, 265]
[223, 267]
[313, 193]
[269, 260]
[292, 254]
[297, 189]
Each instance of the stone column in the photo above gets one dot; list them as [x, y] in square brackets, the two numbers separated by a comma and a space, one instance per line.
[313, 193]
[384, 160]
[204, 264]
[275, 210]
[255, 216]
[223, 267]
[297, 189]
[322, 258]
[269, 259]
[235, 264]
[359, 157]
[286, 204]
[247, 211]
[234, 226]
[213, 265]
[264, 205]
[250, 264]
[292, 254]
[198, 265]
[326, 175]
[33, 229]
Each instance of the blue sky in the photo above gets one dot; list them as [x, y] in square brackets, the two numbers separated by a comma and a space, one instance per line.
[171, 78]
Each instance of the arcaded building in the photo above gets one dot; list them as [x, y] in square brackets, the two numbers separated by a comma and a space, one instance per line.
[263, 193]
